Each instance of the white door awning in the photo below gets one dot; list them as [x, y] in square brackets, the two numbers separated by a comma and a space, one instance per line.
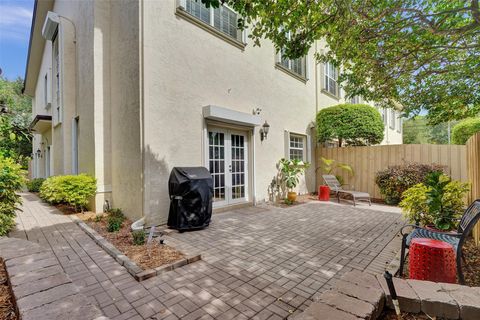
[231, 116]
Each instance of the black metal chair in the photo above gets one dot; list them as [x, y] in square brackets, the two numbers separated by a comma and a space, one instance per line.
[457, 239]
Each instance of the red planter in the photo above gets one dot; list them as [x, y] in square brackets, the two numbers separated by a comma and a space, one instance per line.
[323, 193]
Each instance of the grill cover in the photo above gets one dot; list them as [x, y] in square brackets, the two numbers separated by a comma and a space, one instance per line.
[191, 191]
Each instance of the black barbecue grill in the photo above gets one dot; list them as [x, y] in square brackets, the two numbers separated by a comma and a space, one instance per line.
[191, 191]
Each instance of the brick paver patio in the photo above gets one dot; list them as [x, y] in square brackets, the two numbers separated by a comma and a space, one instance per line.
[258, 263]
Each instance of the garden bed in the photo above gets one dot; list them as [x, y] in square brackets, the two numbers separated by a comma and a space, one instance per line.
[7, 306]
[391, 315]
[146, 256]
[471, 267]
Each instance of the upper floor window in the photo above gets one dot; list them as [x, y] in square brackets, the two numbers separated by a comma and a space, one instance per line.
[399, 124]
[223, 18]
[297, 147]
[45, 90]
[331, 79]
[355, 99]
[393, 118]
[56, 65]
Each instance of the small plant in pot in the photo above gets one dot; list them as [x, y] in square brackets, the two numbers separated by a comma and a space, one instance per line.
[330, 166]
[436, 204]
[290, 172]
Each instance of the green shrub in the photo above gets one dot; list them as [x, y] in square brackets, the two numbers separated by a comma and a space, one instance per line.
[394, 180]
[437, 201]
[463, 130]
[354, 124]
[72, 190]
[138, 237]
[115, 220]
[12, 178]
[34, 185]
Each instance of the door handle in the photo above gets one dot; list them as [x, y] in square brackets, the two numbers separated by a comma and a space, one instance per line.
[230, 168]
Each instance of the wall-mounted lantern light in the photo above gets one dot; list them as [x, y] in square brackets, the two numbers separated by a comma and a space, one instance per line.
[39, 153]
[264, 131]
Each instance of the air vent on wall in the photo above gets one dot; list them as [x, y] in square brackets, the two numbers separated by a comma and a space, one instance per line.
[50, 25]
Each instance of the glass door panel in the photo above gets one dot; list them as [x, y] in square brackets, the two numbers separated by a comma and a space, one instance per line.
[216, 150]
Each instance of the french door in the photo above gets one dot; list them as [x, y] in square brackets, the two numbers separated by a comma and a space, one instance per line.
[228, 164]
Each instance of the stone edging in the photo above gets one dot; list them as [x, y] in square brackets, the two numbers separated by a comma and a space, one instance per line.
[39, 285]
[358, 295]
[138, 273]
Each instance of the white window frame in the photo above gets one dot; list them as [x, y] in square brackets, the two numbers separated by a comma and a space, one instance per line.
[393, 119]
[285, 63]
[355, 99]
[328, 76]
[303, 148]
[241, 37]
[57, 71]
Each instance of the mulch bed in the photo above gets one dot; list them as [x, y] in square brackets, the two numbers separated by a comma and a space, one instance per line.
[471, 267]
[7, 307]
[145, 256]
[391, 315]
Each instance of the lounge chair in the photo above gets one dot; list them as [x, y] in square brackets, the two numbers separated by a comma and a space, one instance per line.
[457, 239]
[334, 185]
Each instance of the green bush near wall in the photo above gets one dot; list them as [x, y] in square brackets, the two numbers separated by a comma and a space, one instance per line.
[464, 130]
[34, 185]
[350, 124]
[12, 178]
[72, 190]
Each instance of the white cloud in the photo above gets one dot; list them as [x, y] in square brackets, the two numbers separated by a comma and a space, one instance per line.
[15, 22]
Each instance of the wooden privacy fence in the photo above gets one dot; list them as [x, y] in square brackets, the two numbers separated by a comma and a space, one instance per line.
[367, 161]
[473, 165]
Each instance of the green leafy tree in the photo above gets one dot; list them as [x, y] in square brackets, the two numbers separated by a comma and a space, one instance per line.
[419, 54]
[417, 130]
[465, 129]
[15, 136]
[352, 124]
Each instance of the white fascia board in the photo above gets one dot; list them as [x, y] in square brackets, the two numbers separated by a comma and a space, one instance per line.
[231, 116]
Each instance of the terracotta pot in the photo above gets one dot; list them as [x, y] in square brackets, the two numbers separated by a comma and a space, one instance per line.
[292, 196]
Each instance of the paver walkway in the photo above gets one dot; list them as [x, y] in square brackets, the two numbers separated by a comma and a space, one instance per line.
[258, 263]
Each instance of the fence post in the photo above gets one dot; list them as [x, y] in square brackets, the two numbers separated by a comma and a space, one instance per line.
[473, 170]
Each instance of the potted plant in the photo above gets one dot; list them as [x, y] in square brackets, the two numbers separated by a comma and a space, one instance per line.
[328, 166]
[435, 204]
[290, 171]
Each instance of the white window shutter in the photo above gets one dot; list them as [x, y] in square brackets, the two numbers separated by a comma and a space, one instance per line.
[309, 148]
[287, 144]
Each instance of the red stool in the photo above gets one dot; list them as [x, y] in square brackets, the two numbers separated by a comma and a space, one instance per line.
[324, 193]
[432, 260]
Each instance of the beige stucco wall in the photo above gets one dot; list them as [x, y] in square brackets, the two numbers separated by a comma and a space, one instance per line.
[187, 68]
[126, 160]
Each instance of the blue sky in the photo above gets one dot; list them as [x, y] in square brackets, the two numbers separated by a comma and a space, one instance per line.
[15, 22]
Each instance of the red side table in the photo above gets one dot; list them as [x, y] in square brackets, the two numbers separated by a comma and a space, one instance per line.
[324, 193]
[432, 260]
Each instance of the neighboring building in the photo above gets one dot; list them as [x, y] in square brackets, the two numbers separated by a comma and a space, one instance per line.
[127, 90]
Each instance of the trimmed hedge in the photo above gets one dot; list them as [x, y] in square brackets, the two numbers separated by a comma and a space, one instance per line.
[34, 185]
[395, 180]
[72, 190]
[463, 130]
[354, 124]
[12, 178]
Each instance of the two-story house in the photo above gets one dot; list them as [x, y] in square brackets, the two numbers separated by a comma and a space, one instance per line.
[126, 90]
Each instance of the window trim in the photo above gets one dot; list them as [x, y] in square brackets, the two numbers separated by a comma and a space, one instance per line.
[304, 148]
[287, 70]
[57, 112]
[393, 119]
[182, 12]
[324, 83]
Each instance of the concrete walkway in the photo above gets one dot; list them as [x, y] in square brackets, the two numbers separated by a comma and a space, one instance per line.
[259, 263]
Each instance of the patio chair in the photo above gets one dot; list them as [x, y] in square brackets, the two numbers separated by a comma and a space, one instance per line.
[457, 239]
[334, 185]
